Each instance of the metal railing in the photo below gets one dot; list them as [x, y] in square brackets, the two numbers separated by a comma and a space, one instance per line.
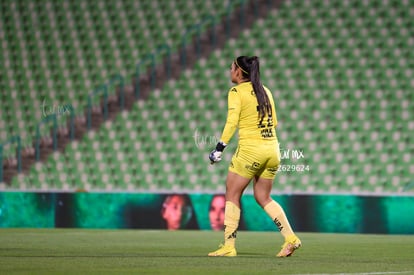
[17, 140]
[196, 29]
[119, 79]
[47, 119]
[147, 58]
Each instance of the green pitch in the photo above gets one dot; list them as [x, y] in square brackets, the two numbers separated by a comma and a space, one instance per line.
[74, 251]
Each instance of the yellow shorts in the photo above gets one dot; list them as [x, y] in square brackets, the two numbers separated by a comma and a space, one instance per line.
[260, 160]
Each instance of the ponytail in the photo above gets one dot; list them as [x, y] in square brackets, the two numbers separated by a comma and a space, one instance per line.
[250, 67]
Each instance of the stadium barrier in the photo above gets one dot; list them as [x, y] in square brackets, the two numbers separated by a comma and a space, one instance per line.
[307, 213]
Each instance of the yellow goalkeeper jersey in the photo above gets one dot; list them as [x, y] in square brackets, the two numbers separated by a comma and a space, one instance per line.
[243, 114]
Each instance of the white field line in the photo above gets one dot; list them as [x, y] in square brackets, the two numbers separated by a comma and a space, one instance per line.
[365, 273]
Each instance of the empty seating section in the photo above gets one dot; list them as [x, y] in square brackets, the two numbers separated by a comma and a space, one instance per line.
[56, 52]
[341, 73]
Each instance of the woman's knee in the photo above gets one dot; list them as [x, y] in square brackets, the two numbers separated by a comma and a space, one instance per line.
[262, 199]
[235, 186]
[262, 190]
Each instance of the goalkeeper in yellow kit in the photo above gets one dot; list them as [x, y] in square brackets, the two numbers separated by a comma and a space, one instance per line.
[251, 109]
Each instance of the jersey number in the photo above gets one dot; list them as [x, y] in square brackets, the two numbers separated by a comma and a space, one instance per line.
[266, 126]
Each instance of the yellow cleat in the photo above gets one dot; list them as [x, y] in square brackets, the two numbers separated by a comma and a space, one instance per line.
[291, 244]
[224, 251]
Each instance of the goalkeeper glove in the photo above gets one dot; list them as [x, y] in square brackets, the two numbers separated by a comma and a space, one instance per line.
[215, 155]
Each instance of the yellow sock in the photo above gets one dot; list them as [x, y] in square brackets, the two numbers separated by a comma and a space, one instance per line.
[231, 223]
[275, 211]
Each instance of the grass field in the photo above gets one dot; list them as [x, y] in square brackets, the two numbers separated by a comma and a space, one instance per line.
[74, 251]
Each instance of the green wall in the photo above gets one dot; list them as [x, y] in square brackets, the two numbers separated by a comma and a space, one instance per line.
[307, 213]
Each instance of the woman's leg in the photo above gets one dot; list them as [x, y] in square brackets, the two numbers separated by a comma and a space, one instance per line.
[262, 189]
[235, 185]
